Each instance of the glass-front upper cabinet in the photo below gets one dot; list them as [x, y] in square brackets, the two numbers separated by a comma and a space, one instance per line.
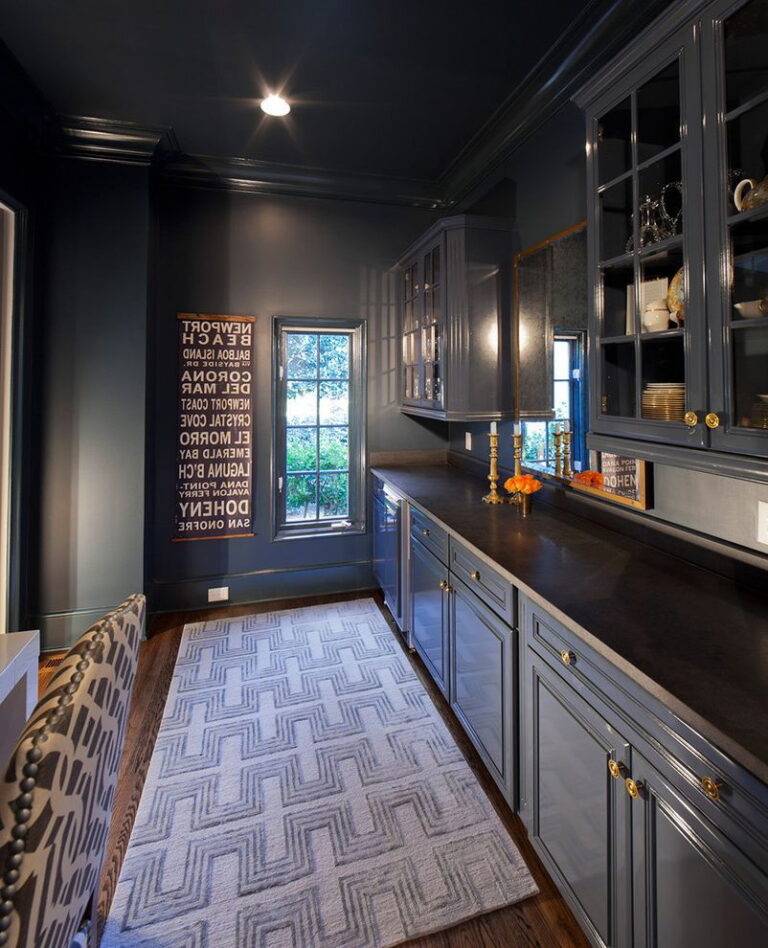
[735, 85]
[455, 308]
[677, 136]
[648, 325]
[422, 334]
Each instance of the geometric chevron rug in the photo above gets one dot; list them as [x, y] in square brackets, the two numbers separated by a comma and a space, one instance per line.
[305, 793]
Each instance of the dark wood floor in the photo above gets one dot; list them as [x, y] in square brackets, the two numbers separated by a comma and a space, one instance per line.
[544, 921]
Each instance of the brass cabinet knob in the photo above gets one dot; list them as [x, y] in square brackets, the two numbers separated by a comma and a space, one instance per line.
[567, 658]
[425, 531]
[616, 768]
[711, 787]
[633, 787]
[712, 420]
[691, 419]
[443, 585]
[474, 575]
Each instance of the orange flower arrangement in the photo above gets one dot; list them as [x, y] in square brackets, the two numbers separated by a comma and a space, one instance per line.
[522, 484]
[589, 479]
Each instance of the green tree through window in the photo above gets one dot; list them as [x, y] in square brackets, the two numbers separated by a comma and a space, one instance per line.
[314, 426]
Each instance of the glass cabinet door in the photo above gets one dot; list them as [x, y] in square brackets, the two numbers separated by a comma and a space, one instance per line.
[423, 329]
[432, 326]
[411, 335]
[649, 337]
[735, 70]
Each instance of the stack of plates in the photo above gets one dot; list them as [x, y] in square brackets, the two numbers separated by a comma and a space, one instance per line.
[759, 417]
[664, 401]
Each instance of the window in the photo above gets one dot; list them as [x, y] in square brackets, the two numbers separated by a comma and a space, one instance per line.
[568, 399]
[319, 426]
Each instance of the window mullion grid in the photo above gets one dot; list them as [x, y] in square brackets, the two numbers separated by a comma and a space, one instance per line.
[317, 427]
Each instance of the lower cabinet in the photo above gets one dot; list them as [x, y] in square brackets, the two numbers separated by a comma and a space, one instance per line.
[430, 613]
[576, 814]
[637, 858]
[483, 676]
[692, 886]
[471, 653]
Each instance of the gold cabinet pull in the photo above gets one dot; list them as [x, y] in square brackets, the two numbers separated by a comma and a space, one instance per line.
[474, 575]
[425, 531]
[616, 768]
[567, 658]
[691, 419]
[444, 585]
[633, 787]
[712, 420]
[711, 787]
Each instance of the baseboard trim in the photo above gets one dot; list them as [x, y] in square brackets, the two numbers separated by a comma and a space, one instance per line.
[60, 630]
[262, 585]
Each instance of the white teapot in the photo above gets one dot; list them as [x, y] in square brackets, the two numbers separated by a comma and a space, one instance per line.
[656, 316]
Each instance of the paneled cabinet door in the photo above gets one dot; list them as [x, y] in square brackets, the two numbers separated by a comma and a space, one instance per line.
[482, 683]
[430, 613]
[577, 814]
[692, 888]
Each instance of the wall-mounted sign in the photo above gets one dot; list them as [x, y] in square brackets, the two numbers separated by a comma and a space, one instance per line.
[615, 477]
[214, 454]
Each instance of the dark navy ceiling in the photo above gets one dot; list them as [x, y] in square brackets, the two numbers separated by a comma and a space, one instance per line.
[393, 88]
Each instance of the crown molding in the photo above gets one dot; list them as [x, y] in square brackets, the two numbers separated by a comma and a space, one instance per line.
[259, 177]
[597, 34]
[612, 71]
[102, 139]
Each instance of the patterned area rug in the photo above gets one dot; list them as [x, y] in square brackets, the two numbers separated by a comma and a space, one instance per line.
[305, 792]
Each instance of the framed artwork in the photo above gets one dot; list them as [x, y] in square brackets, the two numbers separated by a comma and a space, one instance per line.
[627, 481]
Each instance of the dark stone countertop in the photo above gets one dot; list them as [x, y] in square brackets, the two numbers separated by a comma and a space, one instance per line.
[694, 639]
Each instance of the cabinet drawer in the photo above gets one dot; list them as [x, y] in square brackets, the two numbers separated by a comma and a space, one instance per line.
[491, 587]
[719, 788]
[426, 531]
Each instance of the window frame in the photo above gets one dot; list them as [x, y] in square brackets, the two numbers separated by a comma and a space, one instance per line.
[577, 387]
[356, 520]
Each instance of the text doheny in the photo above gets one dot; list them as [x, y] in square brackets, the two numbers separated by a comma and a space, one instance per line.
[214, 444]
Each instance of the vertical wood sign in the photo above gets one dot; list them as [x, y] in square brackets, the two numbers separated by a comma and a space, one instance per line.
[214, 454]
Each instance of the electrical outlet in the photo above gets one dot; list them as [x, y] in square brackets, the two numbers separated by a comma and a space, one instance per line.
[218, 594]
[467, 440]
[762, 522]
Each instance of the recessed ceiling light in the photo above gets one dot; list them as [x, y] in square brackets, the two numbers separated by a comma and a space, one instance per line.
[275, 105]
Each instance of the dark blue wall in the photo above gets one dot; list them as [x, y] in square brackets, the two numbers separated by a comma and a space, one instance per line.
[219, 252]
[92, 388]
[542, 189]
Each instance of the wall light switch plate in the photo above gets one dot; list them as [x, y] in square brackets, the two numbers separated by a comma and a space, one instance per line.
[762, 522]
[218, 594]
[467, 440]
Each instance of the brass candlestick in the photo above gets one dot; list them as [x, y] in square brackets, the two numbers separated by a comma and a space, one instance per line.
[557, 436]
[493, 496]
[517, 441]
[567, 470]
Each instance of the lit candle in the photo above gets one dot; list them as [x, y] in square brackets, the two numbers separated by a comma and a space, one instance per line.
[518, 428]
[493, 427]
